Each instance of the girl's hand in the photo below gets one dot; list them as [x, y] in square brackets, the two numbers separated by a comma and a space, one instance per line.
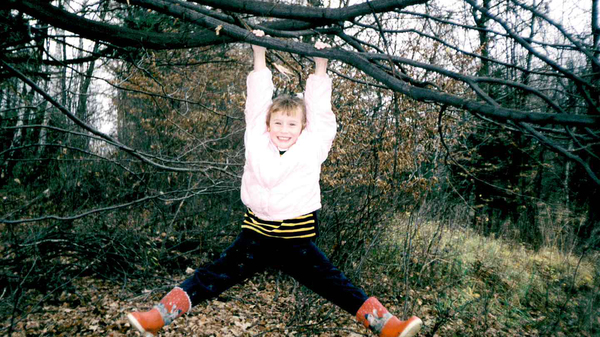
[321, 63]
[321, 45]
[259, 52]
[256, 48]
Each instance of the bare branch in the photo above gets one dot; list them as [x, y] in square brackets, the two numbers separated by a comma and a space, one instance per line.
[544, 140]
[308, 13]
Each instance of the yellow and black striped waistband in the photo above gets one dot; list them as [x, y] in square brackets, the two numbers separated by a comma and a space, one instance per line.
[305, 226]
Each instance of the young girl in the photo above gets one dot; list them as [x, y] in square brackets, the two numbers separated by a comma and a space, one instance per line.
[286, 142]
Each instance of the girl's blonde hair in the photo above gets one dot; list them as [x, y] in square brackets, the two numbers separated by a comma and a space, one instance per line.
[288, 105]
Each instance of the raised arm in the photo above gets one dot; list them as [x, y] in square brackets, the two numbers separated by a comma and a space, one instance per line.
[321, 121]
[259, 90]
[259, 53]
[321, 63]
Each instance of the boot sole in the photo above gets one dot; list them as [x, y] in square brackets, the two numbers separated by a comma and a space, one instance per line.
[134, 322]
[412, 328]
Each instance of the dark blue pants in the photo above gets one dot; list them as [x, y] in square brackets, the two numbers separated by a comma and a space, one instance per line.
[252, 253]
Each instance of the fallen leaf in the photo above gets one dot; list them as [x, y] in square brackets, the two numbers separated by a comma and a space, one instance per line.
[282, 69]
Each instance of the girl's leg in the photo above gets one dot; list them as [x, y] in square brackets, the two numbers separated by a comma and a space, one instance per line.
[311, 267]
[236, 263]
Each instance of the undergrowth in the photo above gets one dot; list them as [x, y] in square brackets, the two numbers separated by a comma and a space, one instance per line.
[459, 282]
[466, 284]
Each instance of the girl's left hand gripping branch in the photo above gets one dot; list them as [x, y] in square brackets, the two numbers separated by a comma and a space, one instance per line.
[321, 63]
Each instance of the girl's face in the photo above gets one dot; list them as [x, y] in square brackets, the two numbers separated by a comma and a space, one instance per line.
[285, 130]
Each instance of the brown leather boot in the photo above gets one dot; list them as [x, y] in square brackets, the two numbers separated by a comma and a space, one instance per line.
[173, 305]
[376, 317]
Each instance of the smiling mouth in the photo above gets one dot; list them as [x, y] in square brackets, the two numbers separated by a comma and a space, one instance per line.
[284, 139]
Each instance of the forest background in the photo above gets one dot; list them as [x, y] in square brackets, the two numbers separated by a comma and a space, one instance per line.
[463, 185]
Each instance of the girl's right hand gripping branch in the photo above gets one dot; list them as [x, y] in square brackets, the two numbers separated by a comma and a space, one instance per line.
[259, 52]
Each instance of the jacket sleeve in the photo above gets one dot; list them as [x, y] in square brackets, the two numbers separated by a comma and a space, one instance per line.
[259, 93]
[320, 120]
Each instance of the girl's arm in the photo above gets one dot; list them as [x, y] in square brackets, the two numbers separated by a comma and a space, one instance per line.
[259, 90]
[321, 63]
[321, 121]
[259, 52]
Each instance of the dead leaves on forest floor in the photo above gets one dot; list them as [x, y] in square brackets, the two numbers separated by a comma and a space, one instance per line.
[268, 305]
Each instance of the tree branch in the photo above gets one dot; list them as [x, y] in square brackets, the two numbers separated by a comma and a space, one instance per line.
[120, 36]
[298, 12]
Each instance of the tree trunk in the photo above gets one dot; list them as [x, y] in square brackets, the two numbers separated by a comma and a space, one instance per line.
[45, 112]
[592, 225]
[82, 103]
[22, 116]
[530, 216]
[596, 39]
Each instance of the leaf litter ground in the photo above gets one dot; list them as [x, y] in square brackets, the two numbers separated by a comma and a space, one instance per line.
[270, 304]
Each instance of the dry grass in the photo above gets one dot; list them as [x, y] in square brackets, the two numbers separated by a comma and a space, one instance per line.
[476, 285]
